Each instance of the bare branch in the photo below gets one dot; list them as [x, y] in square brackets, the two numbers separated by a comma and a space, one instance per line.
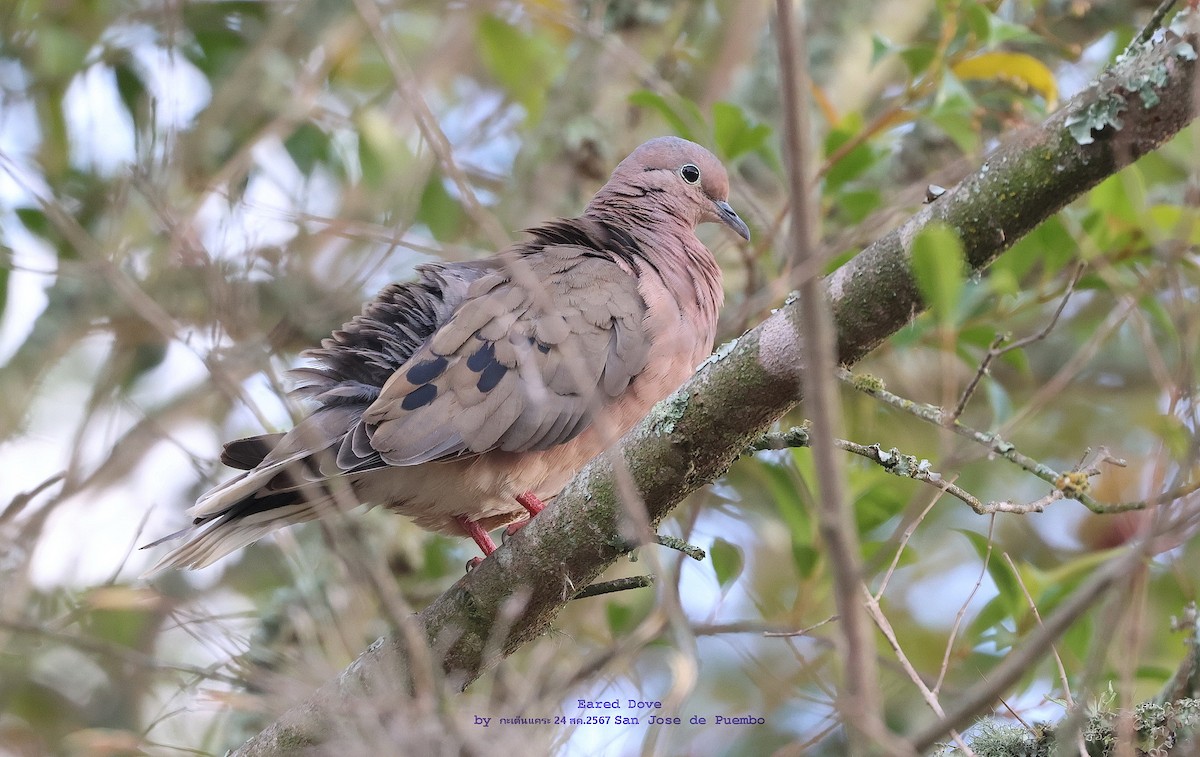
[859, 700]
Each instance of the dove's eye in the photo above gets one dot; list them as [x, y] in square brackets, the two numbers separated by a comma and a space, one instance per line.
[690, 173]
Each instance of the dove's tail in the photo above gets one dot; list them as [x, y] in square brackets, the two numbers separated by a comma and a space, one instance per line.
[271, 494]
[211, 540]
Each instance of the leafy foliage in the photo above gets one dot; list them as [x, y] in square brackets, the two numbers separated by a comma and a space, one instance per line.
[193, 193]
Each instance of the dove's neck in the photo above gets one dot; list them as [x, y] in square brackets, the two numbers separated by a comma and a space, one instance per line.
[671, 249]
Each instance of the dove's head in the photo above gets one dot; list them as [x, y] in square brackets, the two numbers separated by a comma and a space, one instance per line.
[677, 176]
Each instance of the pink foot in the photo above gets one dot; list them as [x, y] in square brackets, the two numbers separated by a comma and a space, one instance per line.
[512, 528]
[479, 536]
[527, 500]
[532, 505]
[530, 502]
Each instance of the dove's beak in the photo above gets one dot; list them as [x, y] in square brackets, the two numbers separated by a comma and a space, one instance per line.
[730, 218]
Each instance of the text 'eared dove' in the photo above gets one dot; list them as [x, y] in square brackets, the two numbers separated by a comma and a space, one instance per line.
[469, 397]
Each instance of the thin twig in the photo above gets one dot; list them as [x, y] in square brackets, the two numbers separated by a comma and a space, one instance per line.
[615, 585]
[800, 632]
[1153, 25]
[797, 436]
[1062, 670]
[898, 464]
[1186, 680]
[746, 626]
[674, 542]
[427, 122]
[961, 615]
[996, 349]
[1021, 659]
[905, 537]
[889, 633]
[859, 705]
[22, 500]
[110, 651]
[1070, 485]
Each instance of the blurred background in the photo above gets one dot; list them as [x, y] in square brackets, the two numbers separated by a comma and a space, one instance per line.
[193, 192]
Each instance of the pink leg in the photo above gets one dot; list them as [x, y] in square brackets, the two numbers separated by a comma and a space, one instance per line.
[531, 503]
[480, 537]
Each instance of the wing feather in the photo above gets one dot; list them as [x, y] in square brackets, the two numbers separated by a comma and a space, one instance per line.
[523, 363]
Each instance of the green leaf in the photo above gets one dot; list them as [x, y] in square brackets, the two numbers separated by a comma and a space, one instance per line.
[58, 52]
[621, 618]
[979, 335]
[881, 47]
[218, 53]
[307, 146]
[435, 559]
[1121, 196]
[1001, 31]
[440, 211]
[857, 205]
[918, 58]
[36, 221]
[130, 88]
[781, 483]
[685, 124]
[126, 625]
[1169, 222]
[734, 134]
[1049, 246]
[992, 30]
[875, 551]
[361, 67]
[146, 357]
[877, 503]
[524, 63]
[993, 613]
[806, 559]
[3, 291]
[854, 163]
[221, 32]
[976, 17]
[953, 112]
[726, 560]
[382, 154]
[1006, 583]
[1174, 435]
[939, 269]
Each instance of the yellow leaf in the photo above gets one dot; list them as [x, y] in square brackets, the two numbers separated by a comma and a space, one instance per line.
[1023, 70]
[554, 16]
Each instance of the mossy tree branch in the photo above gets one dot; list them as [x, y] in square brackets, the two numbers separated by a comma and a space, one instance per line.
[694, 436]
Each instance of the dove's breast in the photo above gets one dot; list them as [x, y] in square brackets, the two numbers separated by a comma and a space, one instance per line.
[484, 487]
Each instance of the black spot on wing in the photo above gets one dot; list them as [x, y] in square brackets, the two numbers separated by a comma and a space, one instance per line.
[419, 397]
[427, 370]
[482, 357]
[490, 376]
[542, 348]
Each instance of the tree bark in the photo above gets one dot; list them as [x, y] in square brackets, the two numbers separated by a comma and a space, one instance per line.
[695, 435]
